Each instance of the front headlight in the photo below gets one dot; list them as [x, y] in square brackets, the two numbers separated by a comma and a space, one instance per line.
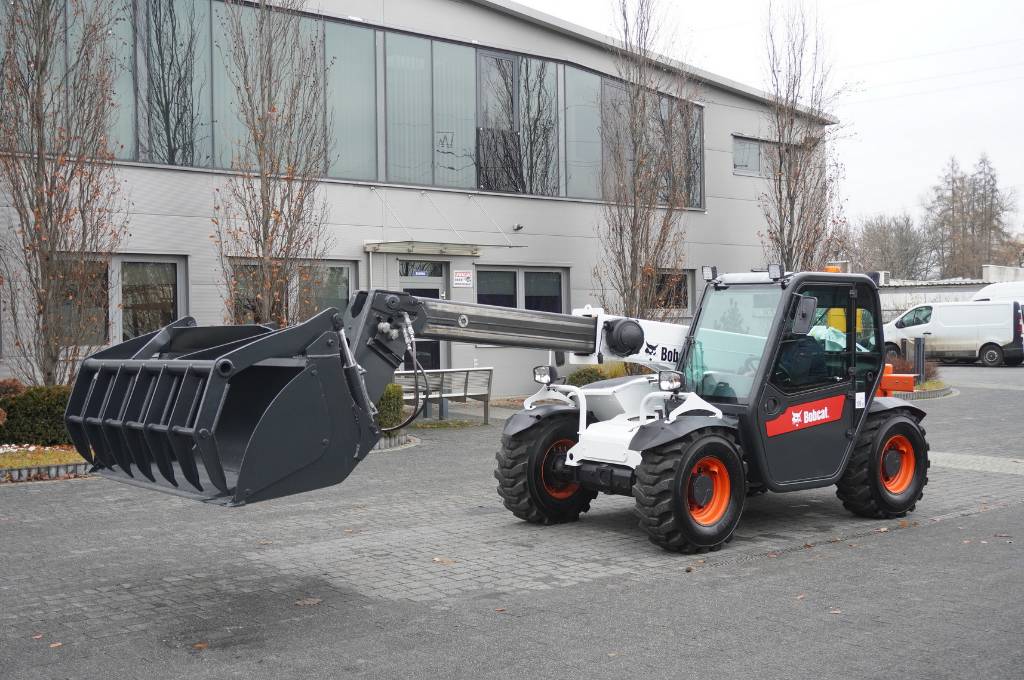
[545, 375]
[670, 381]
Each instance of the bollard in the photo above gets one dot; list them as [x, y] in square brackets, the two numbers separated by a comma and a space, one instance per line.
[919, 359]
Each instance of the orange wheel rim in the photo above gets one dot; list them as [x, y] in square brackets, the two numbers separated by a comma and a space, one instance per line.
[555, 488]
[898, 475]
[708, 504]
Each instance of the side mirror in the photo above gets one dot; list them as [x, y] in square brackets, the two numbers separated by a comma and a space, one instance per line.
[900, 324]
[803, 319]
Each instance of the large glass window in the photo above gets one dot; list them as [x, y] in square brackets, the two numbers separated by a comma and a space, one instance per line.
[122, 134]
[351, 56]
[517, 145]
[247, 296]
[409, 144]
[543, 291]
[729, 340]
[673, 289]
[178, 76]
[454, 115]
[582, 133]
[497, 287]
[86, 309]
[149, 297]
[230, 132]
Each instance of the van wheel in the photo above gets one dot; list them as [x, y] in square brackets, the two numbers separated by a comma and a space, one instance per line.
[992, 355]
[892, 351]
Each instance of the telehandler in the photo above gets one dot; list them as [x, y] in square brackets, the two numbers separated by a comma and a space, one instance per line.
[776, 386]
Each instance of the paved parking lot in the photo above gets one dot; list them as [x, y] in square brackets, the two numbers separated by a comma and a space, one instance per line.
[412, 568]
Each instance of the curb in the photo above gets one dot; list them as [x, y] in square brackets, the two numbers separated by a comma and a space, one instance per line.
[926, 394]
[44, 472]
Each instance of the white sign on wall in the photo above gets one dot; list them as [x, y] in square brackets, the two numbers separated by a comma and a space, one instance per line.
[463, 279]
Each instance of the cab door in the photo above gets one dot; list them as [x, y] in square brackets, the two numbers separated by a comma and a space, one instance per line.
[807, 407]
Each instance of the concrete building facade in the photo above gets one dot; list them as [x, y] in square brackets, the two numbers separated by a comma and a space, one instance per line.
[408, 87]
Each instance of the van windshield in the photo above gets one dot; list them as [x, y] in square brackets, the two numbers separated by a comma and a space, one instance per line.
[728, 341]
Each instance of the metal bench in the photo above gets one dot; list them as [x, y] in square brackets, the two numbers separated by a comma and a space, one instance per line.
[455, 384]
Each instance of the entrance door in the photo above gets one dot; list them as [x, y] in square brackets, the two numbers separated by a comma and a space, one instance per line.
[808, 402]
[426, 279]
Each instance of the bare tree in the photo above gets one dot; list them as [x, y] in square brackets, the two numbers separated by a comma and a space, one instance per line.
[801, 205]
[893, 243]
[174, 85]
[271, 223]
[967, 220]
[650, 137]
[66, 211]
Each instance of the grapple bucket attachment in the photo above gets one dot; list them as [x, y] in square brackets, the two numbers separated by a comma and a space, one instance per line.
[229, 414]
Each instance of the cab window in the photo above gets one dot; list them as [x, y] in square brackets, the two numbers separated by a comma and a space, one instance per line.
[819, 358]
[916, 317]
[868, 354]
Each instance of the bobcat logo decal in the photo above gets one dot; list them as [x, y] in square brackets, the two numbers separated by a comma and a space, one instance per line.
[650, 349]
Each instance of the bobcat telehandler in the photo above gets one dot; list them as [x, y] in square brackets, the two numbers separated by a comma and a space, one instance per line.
[775, 386]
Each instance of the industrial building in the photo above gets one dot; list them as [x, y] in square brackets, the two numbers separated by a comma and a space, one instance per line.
[408, 206]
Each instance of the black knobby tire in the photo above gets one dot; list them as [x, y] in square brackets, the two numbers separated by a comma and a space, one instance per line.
[863, 488]
[663, 487]
[991, 355]
[521, 480]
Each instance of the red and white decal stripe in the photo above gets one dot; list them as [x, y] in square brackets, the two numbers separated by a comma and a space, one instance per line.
[803, 416]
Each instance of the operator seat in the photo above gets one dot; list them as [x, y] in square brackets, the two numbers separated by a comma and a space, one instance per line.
[801, 362]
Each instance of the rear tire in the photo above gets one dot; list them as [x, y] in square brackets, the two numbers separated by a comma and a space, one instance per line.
[526, 479]
[991, 355]
[891, 351]
[888, 470]
[690, 494]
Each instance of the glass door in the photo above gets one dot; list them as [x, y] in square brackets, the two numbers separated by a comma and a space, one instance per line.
[425, 279]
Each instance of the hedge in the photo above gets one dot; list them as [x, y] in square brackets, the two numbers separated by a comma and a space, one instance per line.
[585, 376]
[389, 408]
[35, 416]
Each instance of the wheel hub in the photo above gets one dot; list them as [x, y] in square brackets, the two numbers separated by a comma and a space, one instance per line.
[702, 488]
[891, 463]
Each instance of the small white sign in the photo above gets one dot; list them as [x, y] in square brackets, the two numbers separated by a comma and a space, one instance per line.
[859, 400]
[463, 279]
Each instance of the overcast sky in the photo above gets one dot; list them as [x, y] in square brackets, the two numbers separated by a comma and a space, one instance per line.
[927, 79]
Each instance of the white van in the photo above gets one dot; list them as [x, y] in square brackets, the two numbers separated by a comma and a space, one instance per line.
[953, 331]
[1004, 290]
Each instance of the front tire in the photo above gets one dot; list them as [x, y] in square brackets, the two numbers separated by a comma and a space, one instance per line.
[530, 481]
[891, 351]
[888, 470]
[690, 494]
[991, 355]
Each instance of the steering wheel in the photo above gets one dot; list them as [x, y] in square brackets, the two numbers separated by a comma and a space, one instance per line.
[781, 375]
[749, 366]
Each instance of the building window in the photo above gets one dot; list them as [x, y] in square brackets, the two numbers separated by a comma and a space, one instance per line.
[496, 288]
[122, 133]
[672, 289]
[746, 156]
[543, 291]
[351, 56]
[427, 268]
[454, 115]
[409, 144]
[525, 288]
[322, 286]
[85, 311]
[149, 297]
[582, 133]
[177, 69]
[517, 142]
